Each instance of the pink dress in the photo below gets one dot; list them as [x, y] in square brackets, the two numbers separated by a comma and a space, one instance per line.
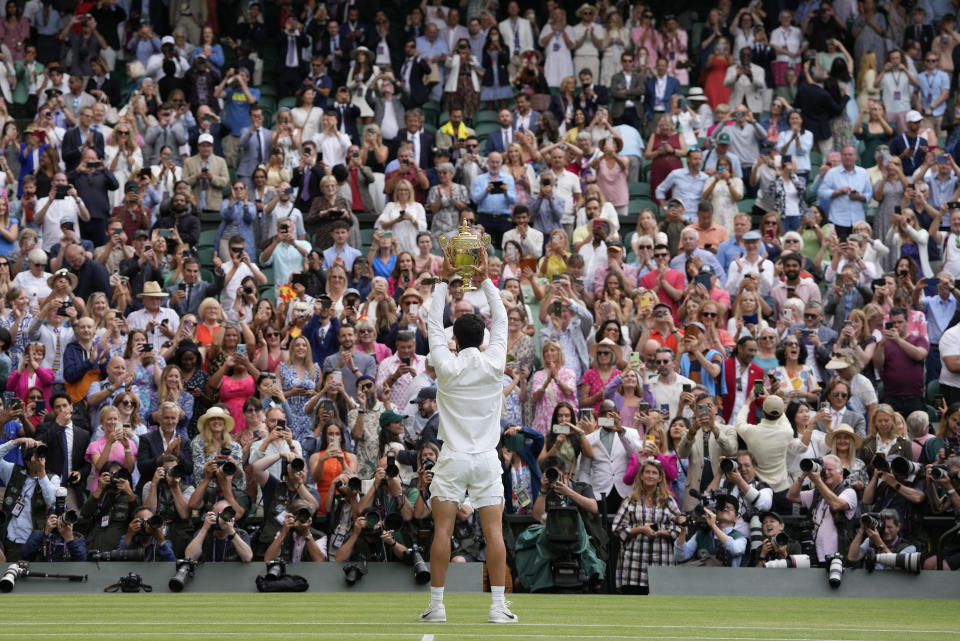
[233, 393]
[552, 396]
[596, 384]
[613, 183]
[116, 454]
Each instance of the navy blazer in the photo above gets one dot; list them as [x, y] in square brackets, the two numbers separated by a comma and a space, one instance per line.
[558, 106]
[529, 454]
[818, 108]
[52, 435]
[673, 86]
[495, 143]
[150, 448]
[330, 343]
[534, 120]
[419, 93]
[348, 112]
[72, 141]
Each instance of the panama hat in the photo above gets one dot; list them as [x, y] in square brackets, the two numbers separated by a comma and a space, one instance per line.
[62, 273]
[606, 342]
[216, 412]
[843, 428]
[152, 288]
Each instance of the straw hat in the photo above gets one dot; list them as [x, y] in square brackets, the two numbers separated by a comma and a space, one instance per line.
[152, 288]
[586, 6]
[216, 412]
[606, 342]
[843, 428]
[410, 291]
[62, 273]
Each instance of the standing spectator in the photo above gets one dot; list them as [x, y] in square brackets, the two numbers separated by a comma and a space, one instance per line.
[237, 219]
[933, 89]
[848, 190]
[403, 217]
[899, 360]
[831, 503]
[818, 108]
[494, 193]
[558, 40]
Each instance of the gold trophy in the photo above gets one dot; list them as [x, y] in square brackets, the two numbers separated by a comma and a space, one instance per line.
[463, 251]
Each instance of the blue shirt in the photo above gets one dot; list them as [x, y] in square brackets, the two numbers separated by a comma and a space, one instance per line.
[143, 49]
[236, 109]
[679, 263]
[845, 212]
[286, 259]
[930, 86]
[348, 255]
[632, 141]
[494, 203]
[711, 157]
[939, 314]
[20, 527]
[687, 188]
[728, 250]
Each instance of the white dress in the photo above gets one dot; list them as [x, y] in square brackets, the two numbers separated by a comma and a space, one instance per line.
[405, 232]
[308, 120]
[559, 61]
[123, 171]
[610, 64]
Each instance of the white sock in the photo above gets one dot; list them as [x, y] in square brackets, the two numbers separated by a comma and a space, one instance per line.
[497, 591]
[436, 595]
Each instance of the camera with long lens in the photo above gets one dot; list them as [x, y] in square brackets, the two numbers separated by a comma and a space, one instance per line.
[297, 465]
[413, 556]
[136, 555]
[906, 561]
[371, 524]
[69, 517]
[729, 464]
[10, 576]
[155, 522]
[276, 569]
[354, 484]
[834, 565]
[303, 515]
[227, 467]
[186, 568]
[781, 539]
[904, 468]
[392, 469]
[880, 462]
[697, 517]
[552, 475]
[354, 571]
[811, 465]
[226, 514]
[174, 473]
[871, 520]
[792, 561]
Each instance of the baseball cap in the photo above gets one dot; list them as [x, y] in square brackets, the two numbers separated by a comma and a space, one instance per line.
[205, 138]
[167, 40]
[706, 269]
[425, 394]
[773, 406]
[914, 116]
[723, 138]
[389, 417]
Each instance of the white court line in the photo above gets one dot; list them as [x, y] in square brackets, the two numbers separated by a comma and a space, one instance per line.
[525, 625]
[427, 637]
[415, 635]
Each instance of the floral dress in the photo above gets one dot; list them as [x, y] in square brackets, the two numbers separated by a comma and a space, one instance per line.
[185, 401]
[114, 349]
[802, 380]
[596, 384]
[552, 396]
[298, 420]
[200, 459]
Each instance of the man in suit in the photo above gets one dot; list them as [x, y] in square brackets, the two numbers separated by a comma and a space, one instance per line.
[740, 373]
[81, 137]
[410, 74]
[347, 114]
[837, 394]
[591, 96]
[190, 16]
[525, 118]
[290, 64]
[659, 90]
[186, 296]
[423, 141]
[206, 174]
[627, 90]
[352, 364]
[66, 445]
[165, 440]
[499, 140]
[336, 52]
[323, 329]
[387, 98]
[746, 81]
[255, 143]
[166, 133]
[920, 31]
[516, 31]
[306, 176]
[706, 442]
[612, 447]
[845, 296]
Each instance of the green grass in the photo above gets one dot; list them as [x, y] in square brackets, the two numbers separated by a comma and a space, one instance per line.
[373, 617]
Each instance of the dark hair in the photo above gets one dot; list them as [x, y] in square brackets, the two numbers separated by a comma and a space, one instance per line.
[4, 339]
[671, 446]
[897, 311]
[406, 337]
[782, 352]
[468, 330]
[598, 335]
[792, 408]
[743, 340]
[553, 461]
[54, 397]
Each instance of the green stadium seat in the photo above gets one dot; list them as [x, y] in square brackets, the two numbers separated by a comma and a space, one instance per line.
[268, 272]
[207, 275]
[205, 255]
[639, 189]
[486, 128]
[637, 205]
[746, 205]
[268, 292]
[207, 238]
[485, 115]
[290, 102]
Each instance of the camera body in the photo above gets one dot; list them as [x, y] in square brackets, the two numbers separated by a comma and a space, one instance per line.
[186, 568]
[729, 464]
[277, 569]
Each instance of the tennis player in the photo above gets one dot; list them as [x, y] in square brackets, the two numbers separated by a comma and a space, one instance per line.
[469, 400]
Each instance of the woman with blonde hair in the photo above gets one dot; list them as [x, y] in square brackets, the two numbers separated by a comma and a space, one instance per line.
[554, 260]
[551, 385]
[215, 428]
[647, 527]
[616, 40]
[723, 191]
[403, 216]
[299, 376]
[210, 315]
[906, 238]
[654, 446]
[882, 438]
[124, 158]
[747, 304]
[128, 405]
[171, 389]
[522, 173]
[116, 444]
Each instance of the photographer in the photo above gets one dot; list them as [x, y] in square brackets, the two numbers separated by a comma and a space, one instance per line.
[774, 536]
[738, 478]
[24, 507]
[168, 495]
[279, 494]
[882, 534]
[536, 548]
[297, 541]
[368, 541]
[944, 496]
[218, 539]
[55, 542]
[832, 505]
[426, 459]
[145, 532]
[890, 489]
[106, 513]
[719, 543]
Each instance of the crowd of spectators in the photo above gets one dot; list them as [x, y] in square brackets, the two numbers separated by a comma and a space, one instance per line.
[728, 245]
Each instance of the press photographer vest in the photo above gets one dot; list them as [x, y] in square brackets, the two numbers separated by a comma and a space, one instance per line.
[846, 528]
[281, 497]
[166, 508]
[708, 546]
[38, 505]
[286, 548]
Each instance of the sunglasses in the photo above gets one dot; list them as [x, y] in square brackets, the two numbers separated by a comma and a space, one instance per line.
[272, 334]
[599, 353]
[127, 403]
[365, 331]
[791, 344]
[709, 314]
[810, 315]
[661, 255]
[644, 247]
[368, 386]
[839, 395]
[662, 362]
[768, 338]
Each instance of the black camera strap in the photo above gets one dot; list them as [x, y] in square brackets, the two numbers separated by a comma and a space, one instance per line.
[130, 583]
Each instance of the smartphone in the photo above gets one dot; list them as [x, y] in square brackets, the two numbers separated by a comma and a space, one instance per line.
[146, 347]
[889, 325]
[692, 331]
[557, 308]
[788, 314]
[665, 409]
[181, 287]
[703, 409]
[40, 406]
[334, 443]
[687, 388]
[561, 429]
[328, 406]
[930, 287]
[824, 407]
[805, 337]
[757, 389]
[634, 360]
[605, 422]
[165, 233]
[242, 349]
[387, 234]
[281, 423]
[705, 280]
[405, 360]
[414, 308]
[878, 282]
[337, 376]
[585, 414]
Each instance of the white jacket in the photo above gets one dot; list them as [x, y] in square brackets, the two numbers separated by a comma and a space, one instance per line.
[606, 469]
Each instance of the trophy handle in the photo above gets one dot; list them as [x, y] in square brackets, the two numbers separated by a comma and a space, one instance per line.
[485, 239]
[443, 241]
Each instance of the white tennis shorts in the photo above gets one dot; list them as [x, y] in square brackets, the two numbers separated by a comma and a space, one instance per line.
[457, 474]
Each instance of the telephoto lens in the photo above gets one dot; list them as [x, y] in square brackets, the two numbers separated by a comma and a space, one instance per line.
[421, 572]
[176, 472]
[354, 484]
[870, 520]
[185, 571]
[229, 468]
[10, 576]
[277, 569]
[811, 465]
[781, 539]
[303, 515]
[939, 473]
[904, 468]
[227, 513]
[909, 562]
[880, 462]
[793, 561]
[393, 471]
[553, 475]
[728, 464]
[756, 531]
[297, 465]
[835, 570]
[70, 517]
